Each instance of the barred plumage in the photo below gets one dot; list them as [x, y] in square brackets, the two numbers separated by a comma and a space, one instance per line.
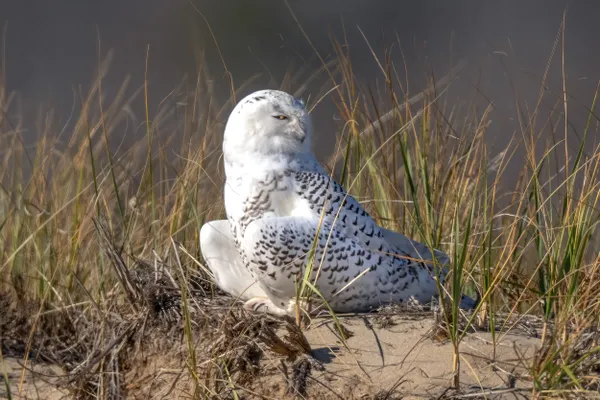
[278, 199]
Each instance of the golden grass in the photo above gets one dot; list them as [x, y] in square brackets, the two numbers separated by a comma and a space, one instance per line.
[422, 167]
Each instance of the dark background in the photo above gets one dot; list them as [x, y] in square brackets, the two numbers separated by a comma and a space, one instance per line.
[51, 46]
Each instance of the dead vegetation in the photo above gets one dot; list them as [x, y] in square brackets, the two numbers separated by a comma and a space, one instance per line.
[101, 275]
[231, 344]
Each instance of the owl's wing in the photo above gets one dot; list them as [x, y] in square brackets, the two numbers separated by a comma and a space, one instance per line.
[278, 248]
[329, 199]
[223, 259]
[416, 250]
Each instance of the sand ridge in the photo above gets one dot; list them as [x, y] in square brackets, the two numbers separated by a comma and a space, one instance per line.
[396, 356]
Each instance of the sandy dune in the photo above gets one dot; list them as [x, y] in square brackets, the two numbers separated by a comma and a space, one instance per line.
[383, 353]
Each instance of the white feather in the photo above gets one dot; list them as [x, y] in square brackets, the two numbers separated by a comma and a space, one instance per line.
[277, 196]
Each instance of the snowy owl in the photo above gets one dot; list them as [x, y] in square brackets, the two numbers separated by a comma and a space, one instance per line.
[286, 212]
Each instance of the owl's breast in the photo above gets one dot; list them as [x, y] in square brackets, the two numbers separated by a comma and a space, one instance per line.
[272, 194]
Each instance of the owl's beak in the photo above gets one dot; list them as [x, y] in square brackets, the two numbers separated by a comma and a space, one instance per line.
[300, 135]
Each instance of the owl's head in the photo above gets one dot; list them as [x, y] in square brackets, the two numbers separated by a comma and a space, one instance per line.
[268, 122]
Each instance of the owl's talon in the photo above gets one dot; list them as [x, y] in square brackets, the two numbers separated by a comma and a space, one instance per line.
[263, 305]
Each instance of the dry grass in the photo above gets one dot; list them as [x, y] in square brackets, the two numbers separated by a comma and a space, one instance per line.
[100, 271]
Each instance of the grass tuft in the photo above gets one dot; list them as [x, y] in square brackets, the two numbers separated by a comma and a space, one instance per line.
[100, 263]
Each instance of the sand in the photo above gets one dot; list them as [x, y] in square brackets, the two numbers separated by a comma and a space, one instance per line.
[397, 356]
[407, 357]
[37, 380]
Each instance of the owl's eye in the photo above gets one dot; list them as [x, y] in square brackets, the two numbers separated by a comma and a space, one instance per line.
[281, 117]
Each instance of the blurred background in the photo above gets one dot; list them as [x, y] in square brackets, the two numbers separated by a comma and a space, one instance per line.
[51, 48]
